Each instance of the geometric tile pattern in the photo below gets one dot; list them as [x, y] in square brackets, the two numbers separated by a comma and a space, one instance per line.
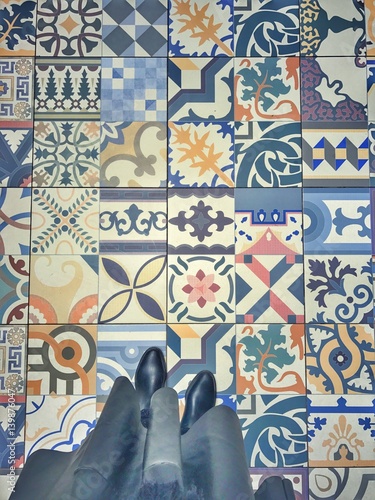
[13, 341]
[16, 142]
[16, 89]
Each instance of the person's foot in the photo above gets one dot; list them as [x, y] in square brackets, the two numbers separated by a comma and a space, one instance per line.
[200, 397]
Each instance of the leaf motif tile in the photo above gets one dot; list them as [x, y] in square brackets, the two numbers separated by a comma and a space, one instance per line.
[16, 142]
[17, 28]
[16, 89]
[15, 205]
[14, 289]
[13, 344]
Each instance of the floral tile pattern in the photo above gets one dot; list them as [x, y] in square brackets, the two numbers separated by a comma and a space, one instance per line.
[13, 342]
[201, 154]
[12, 407]
[17, 28]
[133, 221]
[61, 359]
[192, 348]
[134, 89]
[267, 89]
[73, 277]
[133, 154]
[135, 28]
[340, 430]
[69, 28]
[15, 204]
[340, 359]
[16, 143]
[200, 28]
[16, 89]
[14, 289]
[341, 483]
[66, 154]
[266, 28]
[205, 217]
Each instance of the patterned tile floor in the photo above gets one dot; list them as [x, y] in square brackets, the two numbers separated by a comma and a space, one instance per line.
[200, 176]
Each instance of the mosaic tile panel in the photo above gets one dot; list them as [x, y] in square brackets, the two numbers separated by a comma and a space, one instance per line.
[17, 28]
[16, 143]
[16, 89]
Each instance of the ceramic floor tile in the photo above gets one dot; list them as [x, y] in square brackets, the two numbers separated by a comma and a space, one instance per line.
[15, 206]
[270, 359]
[120, 348]
[338, 289]
[266, 28]
[12, 429]
[201, 289]
[14, 289]
[133, 221]
[12, 359]
[134, 89]
[221, 400]
[201, 154]
[73, 277]
[268, 222]
[16, 89]
[66, 154]
[269, 289]
[65, 221]
[67, 89]
[371, 89]
[192, 348]
[370, 26]
[16, 140]
[69, 28]
[17, 28]
[201, 221]
[335, 154]
[340, 359]
[341, 483]
[267, 89]
[333, 89]
[371, 152]
[340, 430]
[200, 89]
[268, 154]
[132, 289]
[58, 422]
[274, 430]
[200, 28]
[61, 360]
[337, 221]
[297, 476]
[133, 154]
[333, 28]
[134, 28]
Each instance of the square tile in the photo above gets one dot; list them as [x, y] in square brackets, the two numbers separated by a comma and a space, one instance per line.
[338, 289]
[335, 154]
[16, 142]
[133, 154]
[13, 344]
[120, 348]
[134, 89]
[58, 423]
[65, 221]
[132, 289]
[200, 154]
[133, 221]
[370, 26]
[15, 206]
[269, 289]
[274, 430]
[371, 152]
[268, 154]
[340, 359]
[266, 28]
[340, 430]
[270, 359]
[12, 429]
[342, 483]
[14, 289]
[135, 28]
[20, 18]
[333, 28]
[333, 89]
[16, 89]
[69, 28]
[201, 221]
[201, 289]
[67, 89]
[200, 89]
[66, 154]
[63, 289]
[192, 348]
[298, 477]
[267, 89]
[200, 28]
[337, 221]
[61, 360]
